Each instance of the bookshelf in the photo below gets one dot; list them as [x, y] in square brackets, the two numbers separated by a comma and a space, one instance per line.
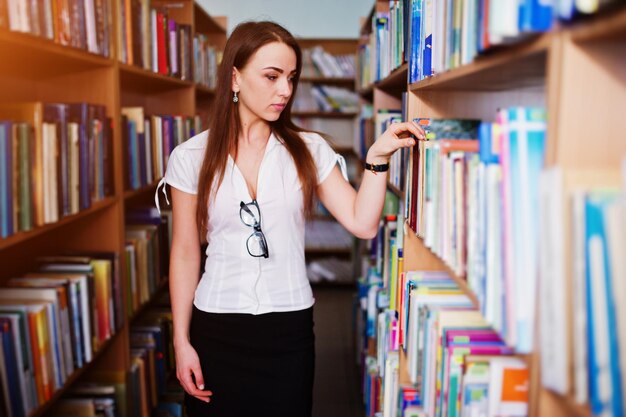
[41, 70]
[576, 71]
[339, 125]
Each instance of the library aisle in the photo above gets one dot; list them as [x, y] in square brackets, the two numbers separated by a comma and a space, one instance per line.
[337, 389]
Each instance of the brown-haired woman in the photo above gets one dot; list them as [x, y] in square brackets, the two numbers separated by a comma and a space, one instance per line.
[243, 334]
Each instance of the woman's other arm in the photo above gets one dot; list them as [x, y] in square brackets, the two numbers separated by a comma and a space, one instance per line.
[184, 275]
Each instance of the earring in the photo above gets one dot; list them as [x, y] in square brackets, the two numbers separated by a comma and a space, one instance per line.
[235, 98]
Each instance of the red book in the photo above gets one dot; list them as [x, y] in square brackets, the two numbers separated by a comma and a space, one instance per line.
[161, 46]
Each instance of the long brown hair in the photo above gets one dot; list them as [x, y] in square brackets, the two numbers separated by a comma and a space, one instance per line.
[224, 122]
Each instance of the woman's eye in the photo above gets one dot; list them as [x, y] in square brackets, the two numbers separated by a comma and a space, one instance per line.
[271, 77]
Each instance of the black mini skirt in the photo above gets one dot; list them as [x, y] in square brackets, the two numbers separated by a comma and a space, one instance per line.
[255, 365]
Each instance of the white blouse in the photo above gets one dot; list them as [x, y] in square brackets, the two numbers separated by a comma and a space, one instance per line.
[234, 281]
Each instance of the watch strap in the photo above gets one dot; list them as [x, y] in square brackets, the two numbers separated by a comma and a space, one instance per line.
[377, 167]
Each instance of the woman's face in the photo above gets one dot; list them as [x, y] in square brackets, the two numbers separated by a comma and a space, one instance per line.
[265, 84]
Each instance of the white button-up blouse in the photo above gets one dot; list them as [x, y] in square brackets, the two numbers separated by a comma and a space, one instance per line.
[234, 281]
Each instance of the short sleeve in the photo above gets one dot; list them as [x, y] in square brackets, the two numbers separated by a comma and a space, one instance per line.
[180, 172]
[324, 156]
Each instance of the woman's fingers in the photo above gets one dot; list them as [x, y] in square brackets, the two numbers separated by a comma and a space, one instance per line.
[412, 127]
[190, 387]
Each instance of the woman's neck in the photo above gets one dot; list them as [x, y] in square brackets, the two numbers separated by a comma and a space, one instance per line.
[254, 134]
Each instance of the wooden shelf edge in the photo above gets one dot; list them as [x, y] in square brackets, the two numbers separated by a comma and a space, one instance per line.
[398, 78]
[47, 45]
[153, 76]
[498, 57]
[204, 90]
[611, 24]
[434, 262]
[43, 408]
[24, 236]
[201, 15]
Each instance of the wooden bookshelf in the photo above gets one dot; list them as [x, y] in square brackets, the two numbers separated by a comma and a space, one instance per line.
[35, 69]
[578, 73]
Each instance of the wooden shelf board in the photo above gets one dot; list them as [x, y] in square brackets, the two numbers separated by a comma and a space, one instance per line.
[396, 82]
[130, 194]
[45, 407]
[516, 66]
[24, 236]
[425, 259]
[147, 82]
[204, 23]
[610, 26]
[36, 57]
[347, 82]
[202, 91]
[326, 115]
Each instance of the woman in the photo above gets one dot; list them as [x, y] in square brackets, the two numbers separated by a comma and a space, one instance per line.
[243, 335]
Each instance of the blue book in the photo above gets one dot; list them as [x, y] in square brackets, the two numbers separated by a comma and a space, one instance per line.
[535, 16]
[10, 364]
[415, 40]
[604, 369]
[6, 179]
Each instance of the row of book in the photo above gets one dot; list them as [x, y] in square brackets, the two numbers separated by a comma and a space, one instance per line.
[472, 196]
[148, 241]
[149, 140]
[53, 321]
[586, 305]
[316, 62]
[434, 36]
[324, 98]
[55, 160]
[206, 58]
[454, 362]
[151, 39]
[83, 24]
[384, 49]
[148, 388]
[479, 204]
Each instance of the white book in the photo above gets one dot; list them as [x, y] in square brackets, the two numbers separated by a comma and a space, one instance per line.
[74, 167]
[90, 26]
[579, 299]
[615, 217]
[553, 326]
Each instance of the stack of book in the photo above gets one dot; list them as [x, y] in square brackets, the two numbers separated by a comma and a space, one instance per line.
[55, 160]
[151, 39]
[79, 24]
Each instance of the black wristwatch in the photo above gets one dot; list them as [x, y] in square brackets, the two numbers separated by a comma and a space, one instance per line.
[377, 168]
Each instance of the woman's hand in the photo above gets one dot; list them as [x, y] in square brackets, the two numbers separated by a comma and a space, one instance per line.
[188, 364]
[395, 137]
